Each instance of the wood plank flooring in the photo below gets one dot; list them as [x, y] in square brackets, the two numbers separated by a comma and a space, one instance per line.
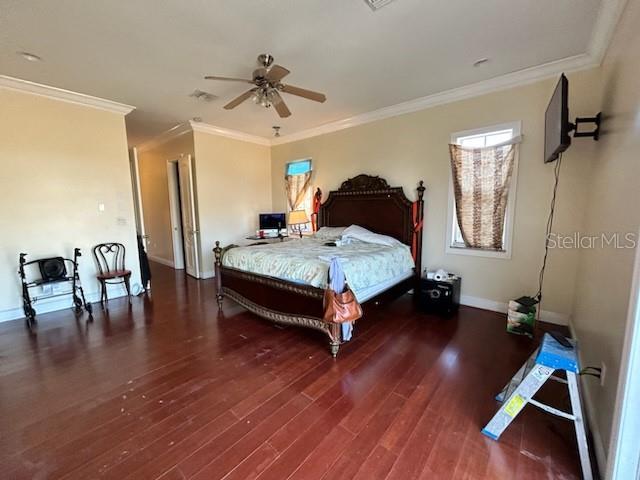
[166, 389]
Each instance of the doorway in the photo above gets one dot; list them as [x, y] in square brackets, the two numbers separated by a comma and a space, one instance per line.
[175, 213]
[184, 226]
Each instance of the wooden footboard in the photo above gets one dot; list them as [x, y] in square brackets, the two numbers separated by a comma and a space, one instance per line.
[363, 200]
[277, 300]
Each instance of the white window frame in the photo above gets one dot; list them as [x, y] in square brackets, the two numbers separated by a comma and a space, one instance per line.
[458, 249]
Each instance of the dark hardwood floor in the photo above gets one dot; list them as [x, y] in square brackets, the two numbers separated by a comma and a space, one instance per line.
[166, 389]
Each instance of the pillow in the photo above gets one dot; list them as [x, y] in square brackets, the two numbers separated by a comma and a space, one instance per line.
[329, 232]
[359, 233]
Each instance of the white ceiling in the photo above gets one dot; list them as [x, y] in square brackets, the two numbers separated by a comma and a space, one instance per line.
[153, 54]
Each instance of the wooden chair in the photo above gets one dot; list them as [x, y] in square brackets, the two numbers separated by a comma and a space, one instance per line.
[110, 260]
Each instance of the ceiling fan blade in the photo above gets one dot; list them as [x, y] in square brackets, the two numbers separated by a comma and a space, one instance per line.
[301, 92]
[228, 79]
[237, 101]
[280, 106]
[277, 73]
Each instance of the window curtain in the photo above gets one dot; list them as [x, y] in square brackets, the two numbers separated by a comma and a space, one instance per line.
[481, 179]
[297, 186]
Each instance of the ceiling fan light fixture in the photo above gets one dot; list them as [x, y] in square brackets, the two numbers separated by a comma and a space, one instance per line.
[267, 86]
[259, 97]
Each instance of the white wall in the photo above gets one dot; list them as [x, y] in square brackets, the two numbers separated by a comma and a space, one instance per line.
[232, 185]
[58, 162]
[233, 180]
[414, 147]
[154, 187]
[604, 273]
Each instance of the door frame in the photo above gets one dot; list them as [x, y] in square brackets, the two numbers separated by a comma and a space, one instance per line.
[175, 215]
[624, 454]
[134, 166]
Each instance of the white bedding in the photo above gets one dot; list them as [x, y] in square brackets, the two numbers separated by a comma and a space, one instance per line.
[306, 261]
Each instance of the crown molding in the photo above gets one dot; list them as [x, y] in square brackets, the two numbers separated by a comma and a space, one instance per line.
[603, 31]
[164, 137]
[225, 132]
[64, 95]
[503, 82]
[192, 126]
[604, 28]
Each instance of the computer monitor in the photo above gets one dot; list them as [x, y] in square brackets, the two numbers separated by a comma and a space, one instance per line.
[273, 221]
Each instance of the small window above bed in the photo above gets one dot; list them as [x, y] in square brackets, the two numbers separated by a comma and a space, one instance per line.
[299, 167]
[298, 189]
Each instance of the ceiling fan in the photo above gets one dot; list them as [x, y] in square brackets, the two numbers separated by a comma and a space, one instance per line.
[266, 91]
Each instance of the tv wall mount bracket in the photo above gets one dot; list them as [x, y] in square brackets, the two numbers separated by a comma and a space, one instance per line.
[595, 134]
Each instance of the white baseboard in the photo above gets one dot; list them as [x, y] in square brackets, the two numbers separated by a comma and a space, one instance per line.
[61, 303]
[588, 407]
[208, 274]
[163, 261]
[485, 304]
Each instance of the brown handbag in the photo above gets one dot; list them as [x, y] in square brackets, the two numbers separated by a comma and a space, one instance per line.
[341, 307]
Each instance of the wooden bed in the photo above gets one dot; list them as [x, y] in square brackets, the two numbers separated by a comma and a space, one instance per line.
[364, 200]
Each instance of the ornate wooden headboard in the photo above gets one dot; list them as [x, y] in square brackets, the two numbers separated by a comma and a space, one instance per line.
[370, 202]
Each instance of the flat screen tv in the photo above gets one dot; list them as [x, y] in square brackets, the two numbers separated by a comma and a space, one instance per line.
[556, 122]
[273, 221]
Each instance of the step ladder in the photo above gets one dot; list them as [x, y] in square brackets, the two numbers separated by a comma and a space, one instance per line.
[539, 368]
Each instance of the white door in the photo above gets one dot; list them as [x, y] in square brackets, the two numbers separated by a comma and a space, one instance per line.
[190, 231]
[175, 215]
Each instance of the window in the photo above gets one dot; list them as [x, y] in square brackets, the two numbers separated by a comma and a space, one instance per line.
[296, 173]
[299, 167]
[483, 137]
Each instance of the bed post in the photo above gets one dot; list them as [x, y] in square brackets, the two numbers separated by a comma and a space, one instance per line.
[217, 253]
[419, 224]
[336, 336]
[317, 200]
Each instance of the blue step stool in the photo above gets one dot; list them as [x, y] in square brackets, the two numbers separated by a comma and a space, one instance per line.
[539, 368]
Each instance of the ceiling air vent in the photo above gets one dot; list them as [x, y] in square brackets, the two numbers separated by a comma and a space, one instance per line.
[377, 4]
[204, 96]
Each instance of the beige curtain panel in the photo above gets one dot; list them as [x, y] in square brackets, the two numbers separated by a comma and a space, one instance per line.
[297, 186]
[481, 178]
